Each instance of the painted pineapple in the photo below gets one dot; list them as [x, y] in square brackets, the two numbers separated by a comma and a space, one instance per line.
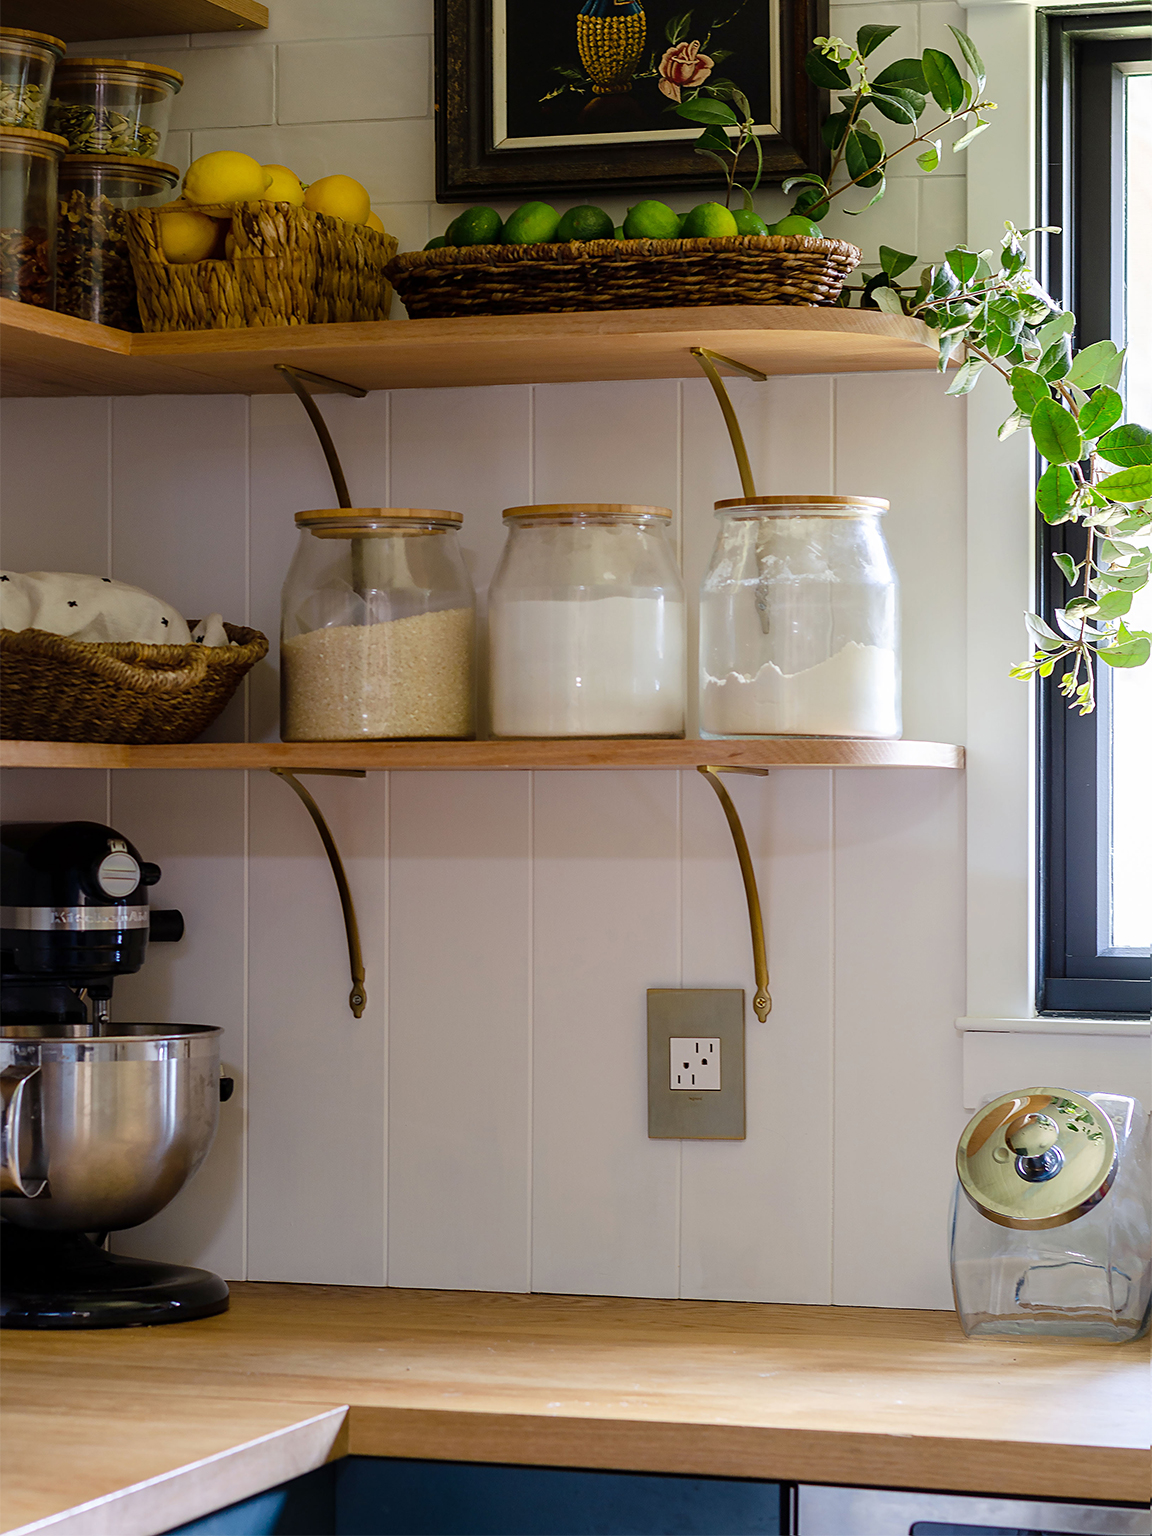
[610, 37]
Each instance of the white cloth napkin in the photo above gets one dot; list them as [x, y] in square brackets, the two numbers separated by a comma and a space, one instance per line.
[97, 608]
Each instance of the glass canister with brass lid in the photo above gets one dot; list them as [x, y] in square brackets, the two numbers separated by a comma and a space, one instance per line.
[29, 162]
[113, 106]
[799, 621]
[27, 61]
[377, 627]
[586, 623]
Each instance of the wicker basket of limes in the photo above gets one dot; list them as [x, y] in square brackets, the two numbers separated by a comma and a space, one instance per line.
[539, 262]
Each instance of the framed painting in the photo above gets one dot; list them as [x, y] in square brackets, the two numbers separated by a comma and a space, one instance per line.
[535, 97]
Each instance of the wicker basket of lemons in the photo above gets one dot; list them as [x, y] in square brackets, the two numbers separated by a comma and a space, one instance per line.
[249, 245]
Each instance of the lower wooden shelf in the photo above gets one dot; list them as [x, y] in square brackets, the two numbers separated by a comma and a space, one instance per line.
[614, 752]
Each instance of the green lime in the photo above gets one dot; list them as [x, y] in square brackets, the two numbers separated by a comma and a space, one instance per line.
[475, 226]
[585, 223]
[796, 224]
[436, 242]
[749, 223]
[531, 224]
[680, 224]
[708, 221]
[651, 220]
[619, 232]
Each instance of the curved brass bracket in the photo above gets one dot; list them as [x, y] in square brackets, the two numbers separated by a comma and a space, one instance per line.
[762, 1002]
[708, 360]
[358, 997]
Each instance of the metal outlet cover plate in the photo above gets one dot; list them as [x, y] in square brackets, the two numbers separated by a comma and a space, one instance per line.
[711, 1115]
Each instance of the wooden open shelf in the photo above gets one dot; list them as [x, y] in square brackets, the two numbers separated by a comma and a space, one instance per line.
[49, 354]
[133, 18]
[776, 752]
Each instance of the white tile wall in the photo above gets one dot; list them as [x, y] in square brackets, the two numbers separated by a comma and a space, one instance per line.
[484, 1123]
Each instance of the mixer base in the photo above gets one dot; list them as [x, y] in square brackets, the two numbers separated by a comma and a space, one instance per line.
[63, 1280]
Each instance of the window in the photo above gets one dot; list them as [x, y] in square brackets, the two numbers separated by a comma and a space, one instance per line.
[1095, 905]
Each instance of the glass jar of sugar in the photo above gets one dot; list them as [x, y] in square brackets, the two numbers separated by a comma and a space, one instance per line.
[377, 627]
[799, 621]
[586, 624]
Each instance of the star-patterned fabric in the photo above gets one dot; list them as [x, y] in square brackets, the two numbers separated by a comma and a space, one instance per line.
[97, 608]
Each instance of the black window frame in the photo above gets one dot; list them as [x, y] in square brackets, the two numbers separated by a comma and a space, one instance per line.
[1082, 267]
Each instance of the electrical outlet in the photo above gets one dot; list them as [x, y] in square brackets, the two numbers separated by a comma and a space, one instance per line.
[696, 1063]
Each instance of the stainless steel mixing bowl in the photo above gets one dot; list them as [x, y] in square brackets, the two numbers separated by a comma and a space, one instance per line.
[99, 1133]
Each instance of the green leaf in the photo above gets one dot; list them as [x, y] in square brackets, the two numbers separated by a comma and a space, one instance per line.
[908, 73]
[1055, 433]
[1090, 366]
[888, 300]
[876, 181]
[966, 376]
[1028, 389]
[973, 60]
[812, 202]
[1129, 651]
[963, 263]
[1069, 567]
[929, 159]
[894, 262]
[1013, 424]
[1045, 637]
[863, 151]
[1102, 411]
[1054, 493]
[869, 38]
[833, 129]
[826, 73]
[708, 155]
[1060, 325]
[892, 106]
[706, 109]
[966, 139]
[1128, 485]
[1056, 361]
[677, 26]
[1128, 445]
[943, 80]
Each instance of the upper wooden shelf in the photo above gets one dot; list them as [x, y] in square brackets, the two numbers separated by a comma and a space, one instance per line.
[49, 354]
[613, 752]
[133, 18]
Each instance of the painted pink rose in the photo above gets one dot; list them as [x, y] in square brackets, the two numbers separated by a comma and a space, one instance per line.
[684, 65]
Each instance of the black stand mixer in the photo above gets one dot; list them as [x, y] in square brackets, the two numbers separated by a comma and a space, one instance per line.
[102, 1124]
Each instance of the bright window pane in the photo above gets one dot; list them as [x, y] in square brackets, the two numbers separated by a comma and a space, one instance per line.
[1131, 797]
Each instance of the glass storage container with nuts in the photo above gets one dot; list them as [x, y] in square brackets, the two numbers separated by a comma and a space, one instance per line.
[586, 624]
[27, 60]
[799, 621]
[112, 106]
[94, 278]
[377, 627]
[28, 162]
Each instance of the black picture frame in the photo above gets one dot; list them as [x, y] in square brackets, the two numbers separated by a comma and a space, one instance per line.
[470, 169]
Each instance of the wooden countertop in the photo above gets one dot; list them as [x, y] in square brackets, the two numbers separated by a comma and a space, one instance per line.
[133, 1431]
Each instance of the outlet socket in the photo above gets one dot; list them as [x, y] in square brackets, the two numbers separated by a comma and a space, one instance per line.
[705, 1028]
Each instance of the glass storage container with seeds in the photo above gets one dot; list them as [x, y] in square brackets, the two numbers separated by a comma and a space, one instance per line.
[27, 60]
[28, 163]
[377, 627]
[799, 622]
[94, 278]
[112, 106]
[586, 624]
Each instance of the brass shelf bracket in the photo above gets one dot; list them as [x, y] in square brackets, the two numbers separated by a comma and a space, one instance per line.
[708, 360]
[358, 997]
[299, 379]
[762, 1002]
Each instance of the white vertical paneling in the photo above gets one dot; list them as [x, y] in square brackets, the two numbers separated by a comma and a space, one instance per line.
[317, 1075]
[607, 442]
[30, 794]
[757, 1214]
[899, 988]
[459, 1062]
[193, 826]
[924, 529]
[55, 485]
[606, 927]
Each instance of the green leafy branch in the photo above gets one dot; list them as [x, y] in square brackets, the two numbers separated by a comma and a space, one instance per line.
[717, 106]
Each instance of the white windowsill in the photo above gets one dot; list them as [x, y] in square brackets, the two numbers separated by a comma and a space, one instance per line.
[1127, 1028]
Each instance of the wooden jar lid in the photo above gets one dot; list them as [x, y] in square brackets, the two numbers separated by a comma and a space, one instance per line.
[369, 514]
[588, 509]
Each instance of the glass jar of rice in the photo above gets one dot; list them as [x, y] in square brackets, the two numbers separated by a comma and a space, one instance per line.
[377, 627]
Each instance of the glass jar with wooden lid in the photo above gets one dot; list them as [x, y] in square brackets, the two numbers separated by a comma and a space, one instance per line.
[113, 106]
[27, 60]
[799, 621]
[586, 623]
[28, 164]
[94, 278]
[377, 630]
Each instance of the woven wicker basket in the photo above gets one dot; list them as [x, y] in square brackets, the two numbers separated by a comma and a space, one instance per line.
[58, 689]
[621, 274]
[290, 267]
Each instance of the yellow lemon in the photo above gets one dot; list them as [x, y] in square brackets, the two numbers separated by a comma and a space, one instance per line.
[339, 196]
[188, 236]
[284, 186]
[374, 221]
[225, 176]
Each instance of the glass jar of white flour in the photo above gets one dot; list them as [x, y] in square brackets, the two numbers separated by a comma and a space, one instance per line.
[799, 621]
[586, 624]
[377, 627]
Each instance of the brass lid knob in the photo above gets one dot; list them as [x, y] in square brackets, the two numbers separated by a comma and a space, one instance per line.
[1031, 1135]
